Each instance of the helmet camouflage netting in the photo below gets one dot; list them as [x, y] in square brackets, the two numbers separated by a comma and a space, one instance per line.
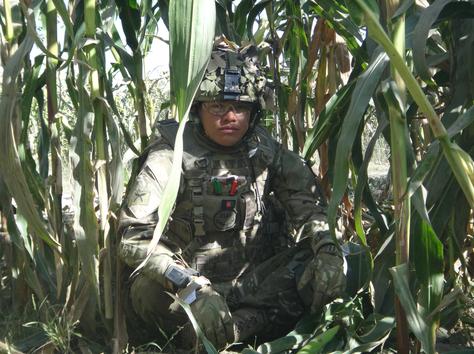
[235, 74]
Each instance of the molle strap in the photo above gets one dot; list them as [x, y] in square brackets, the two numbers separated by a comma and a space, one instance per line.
[198, 210]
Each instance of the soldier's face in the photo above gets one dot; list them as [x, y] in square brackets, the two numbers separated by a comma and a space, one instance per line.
[225, 122]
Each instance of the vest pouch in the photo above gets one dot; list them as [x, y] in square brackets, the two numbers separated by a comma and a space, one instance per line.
[180, 232]
[221, 213]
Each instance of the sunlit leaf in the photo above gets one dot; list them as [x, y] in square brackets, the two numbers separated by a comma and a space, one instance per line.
[317, 344]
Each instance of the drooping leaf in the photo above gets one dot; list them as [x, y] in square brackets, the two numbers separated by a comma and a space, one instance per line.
[254, 12]
[11, 166]
[329, 118]
[372, 332]
[192, 25]
[364, 90]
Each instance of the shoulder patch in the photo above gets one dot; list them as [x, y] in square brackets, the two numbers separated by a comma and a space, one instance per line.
[144, 198]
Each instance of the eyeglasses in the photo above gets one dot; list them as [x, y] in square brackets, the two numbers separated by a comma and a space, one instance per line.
[221, 108]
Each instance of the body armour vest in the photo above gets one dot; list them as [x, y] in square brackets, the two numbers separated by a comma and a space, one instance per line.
[224, 222]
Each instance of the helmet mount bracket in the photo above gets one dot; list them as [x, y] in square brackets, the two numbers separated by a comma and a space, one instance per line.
[231, 84]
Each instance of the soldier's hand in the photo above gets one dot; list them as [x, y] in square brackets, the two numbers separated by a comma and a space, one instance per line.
[213, 315]
[323, 279]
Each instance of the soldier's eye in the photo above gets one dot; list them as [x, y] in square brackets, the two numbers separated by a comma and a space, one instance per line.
[216, 108]
[241, 108]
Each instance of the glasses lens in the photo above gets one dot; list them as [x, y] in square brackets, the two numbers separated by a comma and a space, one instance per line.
[219, 108]
[242, 108]
[216, 108]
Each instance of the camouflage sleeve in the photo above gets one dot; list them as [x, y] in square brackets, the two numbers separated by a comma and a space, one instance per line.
[138, 216]
[295, 186]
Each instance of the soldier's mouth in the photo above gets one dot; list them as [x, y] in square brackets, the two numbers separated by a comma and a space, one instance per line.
[228, 129]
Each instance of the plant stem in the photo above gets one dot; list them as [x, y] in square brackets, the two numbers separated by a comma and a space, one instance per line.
[8, 21]
[398, 127]
[100, 148]
[53, 127]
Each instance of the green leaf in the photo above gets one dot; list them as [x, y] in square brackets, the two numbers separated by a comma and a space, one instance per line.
[420, 36]
[254, 12]
[329, 118]
[363, 92]
[415, 321]
[429, 266]
[207, 344]
[241, 12]
[63, 12]
[357, 13]
[361, 187]
[192, 25]
[131, 21]
[11, 166]
[462, 122]
[85, 220]
[432, 156]
[359, 267]
[373, 332]
[288, 342]
[402, 9]
[317, 344]
[428, 249]
[462, 166]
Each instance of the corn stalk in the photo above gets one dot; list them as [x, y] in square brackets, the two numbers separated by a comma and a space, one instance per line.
[398, 133]
[53, 129]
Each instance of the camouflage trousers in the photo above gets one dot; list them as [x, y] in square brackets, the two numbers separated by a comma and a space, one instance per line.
[270, 287]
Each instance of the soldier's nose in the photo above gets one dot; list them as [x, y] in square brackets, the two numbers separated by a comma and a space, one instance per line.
[229, 116]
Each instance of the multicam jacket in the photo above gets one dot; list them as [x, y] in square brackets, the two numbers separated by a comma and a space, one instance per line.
[230, 209]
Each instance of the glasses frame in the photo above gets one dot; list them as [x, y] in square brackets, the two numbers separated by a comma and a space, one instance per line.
[238, 108]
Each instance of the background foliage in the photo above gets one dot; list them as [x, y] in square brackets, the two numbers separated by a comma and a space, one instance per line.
[78, 108]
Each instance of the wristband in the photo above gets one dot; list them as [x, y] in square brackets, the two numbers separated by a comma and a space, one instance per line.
[180, 277]
[188, 294]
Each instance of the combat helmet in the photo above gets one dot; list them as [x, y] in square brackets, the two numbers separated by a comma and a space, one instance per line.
[235, 74]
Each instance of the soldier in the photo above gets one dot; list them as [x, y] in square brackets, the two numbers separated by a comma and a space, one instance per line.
[247, 246]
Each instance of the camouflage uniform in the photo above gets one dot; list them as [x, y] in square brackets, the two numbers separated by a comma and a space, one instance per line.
[248, 217]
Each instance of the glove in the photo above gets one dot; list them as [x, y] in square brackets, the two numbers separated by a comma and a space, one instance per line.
[213, 315]
[323, 278]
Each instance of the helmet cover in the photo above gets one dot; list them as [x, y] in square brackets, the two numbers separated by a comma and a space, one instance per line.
[235, 74]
